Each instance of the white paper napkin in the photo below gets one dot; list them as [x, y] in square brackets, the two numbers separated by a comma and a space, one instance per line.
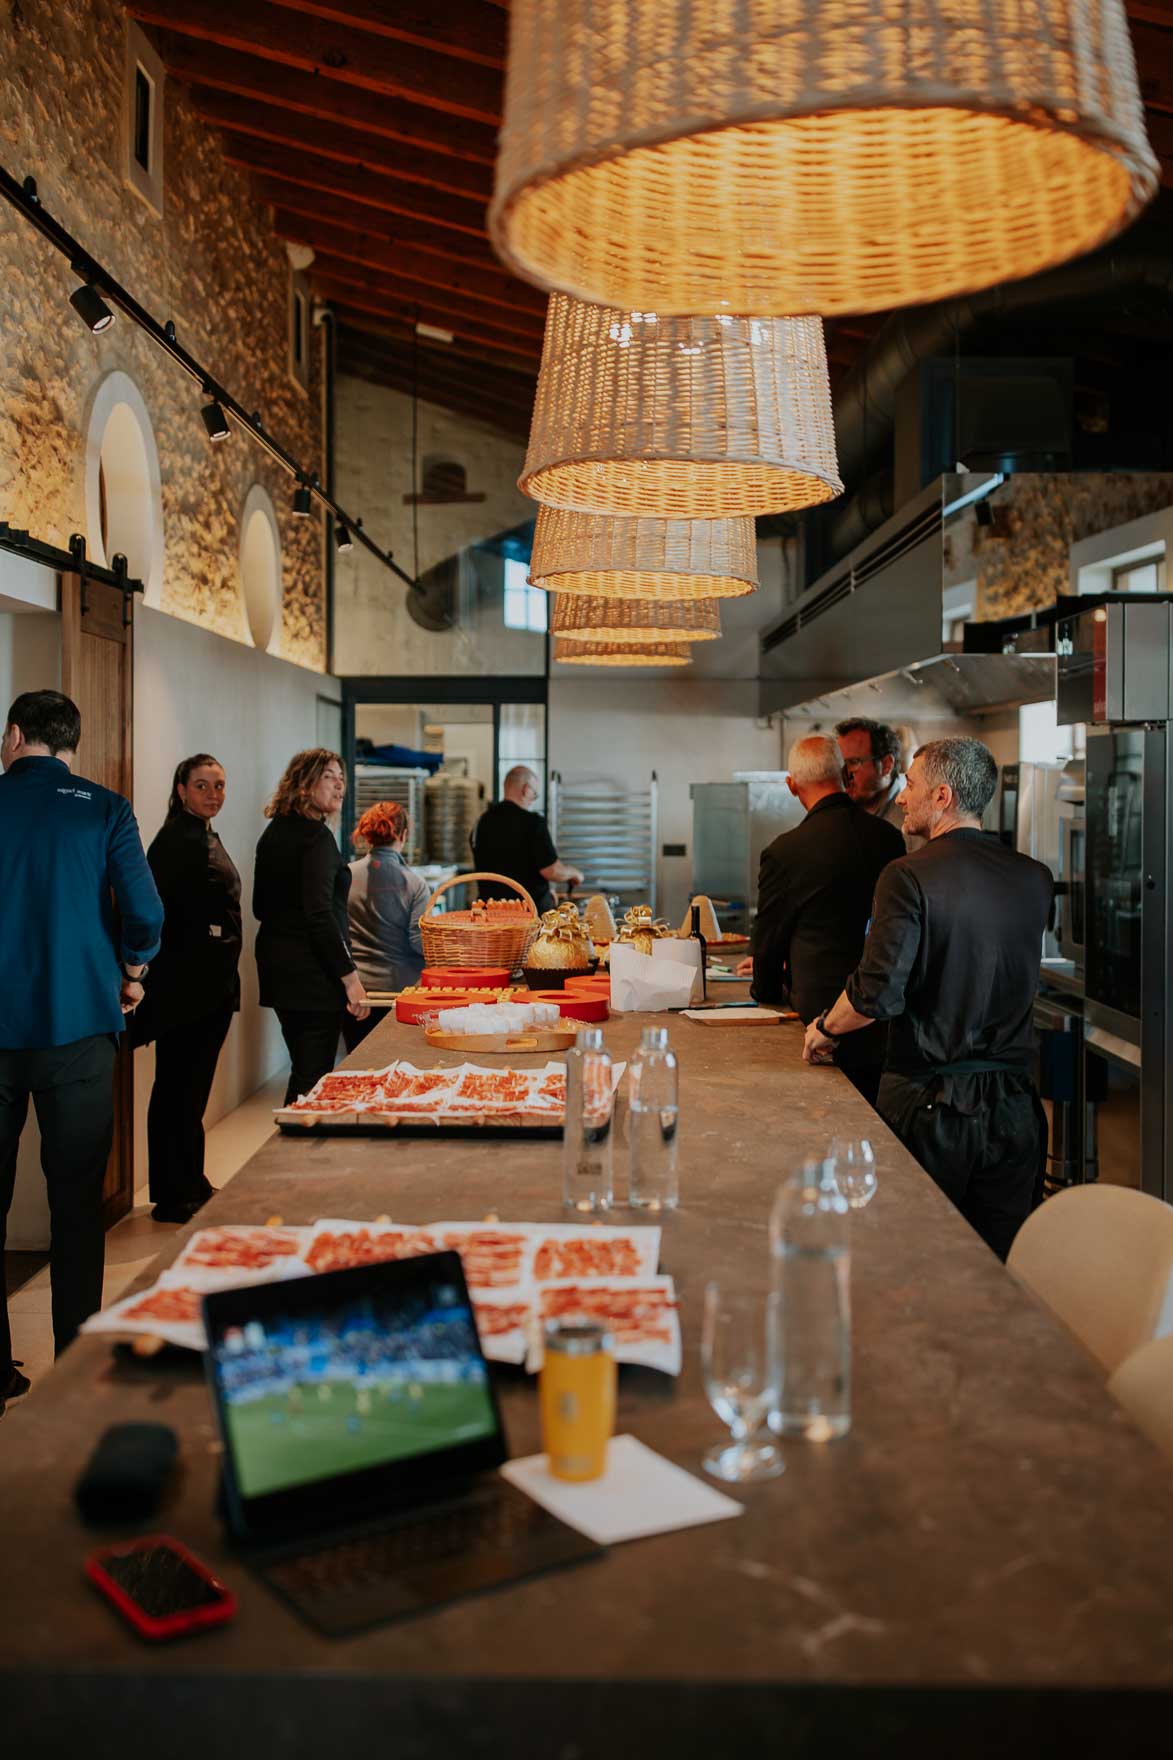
[640, 982]
[640, 1493]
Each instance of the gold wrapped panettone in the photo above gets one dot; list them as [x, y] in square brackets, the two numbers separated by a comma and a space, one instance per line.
[562, 949]
[640, 929]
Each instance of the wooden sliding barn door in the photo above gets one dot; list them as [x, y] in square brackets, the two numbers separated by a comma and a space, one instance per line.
[97, 671]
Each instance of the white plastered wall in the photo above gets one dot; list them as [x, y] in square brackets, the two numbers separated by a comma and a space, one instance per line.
[198, 692]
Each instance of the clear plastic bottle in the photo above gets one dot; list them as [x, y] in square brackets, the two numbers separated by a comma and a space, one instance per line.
[811, 1259]
[654, 1108]
[587, 1138]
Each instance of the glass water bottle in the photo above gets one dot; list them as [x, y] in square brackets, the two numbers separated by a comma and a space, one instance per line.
[811, 1260]
[587, 1139]
[654, 1108]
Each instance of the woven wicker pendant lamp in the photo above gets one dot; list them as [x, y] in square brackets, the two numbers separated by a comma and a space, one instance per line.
[572, 653]
[657, 559]
[626, 623]
[812, 155]
[687, 418]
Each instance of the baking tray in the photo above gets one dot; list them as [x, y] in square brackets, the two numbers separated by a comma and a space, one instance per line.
[538, 1133]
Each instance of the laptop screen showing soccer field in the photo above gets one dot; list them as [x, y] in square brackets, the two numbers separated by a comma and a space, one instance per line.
[351, 1371]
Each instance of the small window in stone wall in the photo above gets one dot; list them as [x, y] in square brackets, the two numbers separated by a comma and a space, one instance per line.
[299, 331]
[143, 119]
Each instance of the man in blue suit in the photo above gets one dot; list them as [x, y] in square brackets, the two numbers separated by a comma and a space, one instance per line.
[70, 971]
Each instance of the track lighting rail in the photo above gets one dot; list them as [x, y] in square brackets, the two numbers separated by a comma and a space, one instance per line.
[99, 290]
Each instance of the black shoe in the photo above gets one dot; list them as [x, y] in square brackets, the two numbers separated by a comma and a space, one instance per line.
[16, 1385]
[178, 1213]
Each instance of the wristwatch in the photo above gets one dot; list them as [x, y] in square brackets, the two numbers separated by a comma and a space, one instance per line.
[821, 1024]
[143, 970]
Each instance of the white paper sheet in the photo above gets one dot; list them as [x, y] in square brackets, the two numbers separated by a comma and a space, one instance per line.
[651, 985]
[640, 1493]
[684, 953]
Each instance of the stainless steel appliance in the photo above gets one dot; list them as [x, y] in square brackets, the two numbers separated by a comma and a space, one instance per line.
[1116, 667]
[732, 822]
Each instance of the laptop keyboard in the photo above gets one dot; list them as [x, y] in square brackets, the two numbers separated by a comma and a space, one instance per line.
[431, 1556]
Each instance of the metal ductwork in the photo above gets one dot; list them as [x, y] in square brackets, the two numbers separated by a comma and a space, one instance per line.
[866, 402]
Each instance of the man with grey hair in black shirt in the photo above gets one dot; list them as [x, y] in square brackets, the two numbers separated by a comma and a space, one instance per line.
[952, 963]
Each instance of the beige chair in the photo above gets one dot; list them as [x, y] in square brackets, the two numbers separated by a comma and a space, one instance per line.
[1144, 1386]
[1100, 1257]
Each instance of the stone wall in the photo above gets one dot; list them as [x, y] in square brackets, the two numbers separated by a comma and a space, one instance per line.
[211, 263]
[1021, 560]
[373, 632]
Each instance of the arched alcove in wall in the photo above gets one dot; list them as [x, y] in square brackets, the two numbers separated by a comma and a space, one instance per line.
[124, 501]
[260, 569]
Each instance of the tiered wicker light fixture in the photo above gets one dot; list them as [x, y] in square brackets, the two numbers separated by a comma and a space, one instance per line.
[572, 653]
[654, 559]
[626, 623]
[683, 418]
[814, 156]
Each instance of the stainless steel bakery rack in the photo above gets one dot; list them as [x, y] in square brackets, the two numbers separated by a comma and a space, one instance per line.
[609, 831]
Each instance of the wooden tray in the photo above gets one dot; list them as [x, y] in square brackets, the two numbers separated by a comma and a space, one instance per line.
[525, 1039]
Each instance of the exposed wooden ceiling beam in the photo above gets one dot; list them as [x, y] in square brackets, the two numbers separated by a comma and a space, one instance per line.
[1154, 64]
[431, 386]
[458, 214]
[476, 281]
[311, 207]
[347, 146]
[194, 62]
[499, 380]
[406, 292]
[399, 330]
[1151, 11]
[398, 70]
[409, 312]
[474, 406]
[445, 26]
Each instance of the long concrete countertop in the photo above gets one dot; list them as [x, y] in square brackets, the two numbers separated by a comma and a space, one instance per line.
[991, 1522]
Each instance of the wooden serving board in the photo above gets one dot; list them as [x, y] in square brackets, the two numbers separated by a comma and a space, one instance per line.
[526, 1039]
[749, 1016]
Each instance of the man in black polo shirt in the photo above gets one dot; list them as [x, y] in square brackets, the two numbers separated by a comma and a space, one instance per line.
[509, 838]
[952, 961]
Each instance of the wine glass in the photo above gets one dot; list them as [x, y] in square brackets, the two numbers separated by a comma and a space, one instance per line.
[855, 1170]
[739, 1359]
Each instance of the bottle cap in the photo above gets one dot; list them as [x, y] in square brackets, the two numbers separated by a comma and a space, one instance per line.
[589, 1039]
[654, 1039]
[577, 1338]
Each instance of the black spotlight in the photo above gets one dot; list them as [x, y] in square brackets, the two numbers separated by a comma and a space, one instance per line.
[303, 501]
[343, 539]
[215, 421]
[92, 309]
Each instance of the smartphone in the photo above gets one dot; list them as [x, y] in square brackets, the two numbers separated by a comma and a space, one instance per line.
[160, 1587]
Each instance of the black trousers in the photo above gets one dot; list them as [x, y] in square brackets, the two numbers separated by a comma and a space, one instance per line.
[983, 1139]
[72, 1091]
[311, 1038]
[354, 1032]
[185, 1067]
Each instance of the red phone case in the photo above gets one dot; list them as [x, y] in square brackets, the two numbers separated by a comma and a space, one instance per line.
[172, 1625]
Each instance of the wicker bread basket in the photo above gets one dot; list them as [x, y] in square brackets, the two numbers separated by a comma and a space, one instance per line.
[452, 938]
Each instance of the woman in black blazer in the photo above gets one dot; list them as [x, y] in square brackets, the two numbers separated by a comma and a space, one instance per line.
[192, 987]
[300, 889]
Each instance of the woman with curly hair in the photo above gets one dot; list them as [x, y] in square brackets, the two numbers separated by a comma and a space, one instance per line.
[300, 887]
[387, 899]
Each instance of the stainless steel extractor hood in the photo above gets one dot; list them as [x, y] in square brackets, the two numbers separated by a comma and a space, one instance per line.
[866, 637]
[948, 687]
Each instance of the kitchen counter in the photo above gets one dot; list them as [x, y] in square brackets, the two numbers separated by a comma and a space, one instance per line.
[987, 1559]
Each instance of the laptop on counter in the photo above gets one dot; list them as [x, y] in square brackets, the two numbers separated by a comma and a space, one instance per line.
[361, 1436]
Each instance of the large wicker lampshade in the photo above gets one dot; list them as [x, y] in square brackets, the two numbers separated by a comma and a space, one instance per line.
[688, 418]
[572, 653]
[812, 155]
[661, 559]
[626, 623]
